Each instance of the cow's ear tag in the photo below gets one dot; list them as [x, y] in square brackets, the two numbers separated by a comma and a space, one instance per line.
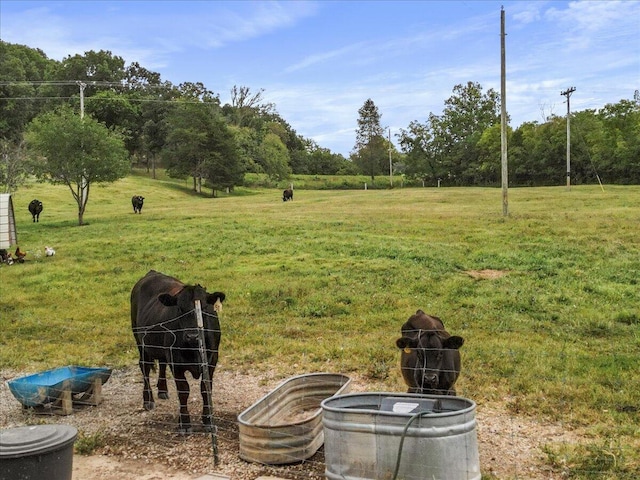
[407, 350]
[218, 305]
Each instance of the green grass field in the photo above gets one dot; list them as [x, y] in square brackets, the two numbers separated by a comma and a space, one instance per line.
[325, 282]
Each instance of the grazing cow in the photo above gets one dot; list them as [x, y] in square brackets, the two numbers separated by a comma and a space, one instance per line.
[137, 202]
[164, 325]
[430, 359]
[287, 195]
[35, 207]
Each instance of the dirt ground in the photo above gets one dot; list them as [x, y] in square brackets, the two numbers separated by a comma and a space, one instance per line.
[127, 442]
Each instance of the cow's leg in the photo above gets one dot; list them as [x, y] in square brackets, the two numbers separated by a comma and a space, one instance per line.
[147, 394]
[163, 391]
[182, 386]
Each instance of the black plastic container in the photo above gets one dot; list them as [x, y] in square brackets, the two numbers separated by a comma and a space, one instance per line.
[37, 452]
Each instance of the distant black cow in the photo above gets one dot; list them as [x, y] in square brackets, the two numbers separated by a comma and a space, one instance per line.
[35, 207]
[287, 195]
[164, 325]
[430, 359]
[137, 202]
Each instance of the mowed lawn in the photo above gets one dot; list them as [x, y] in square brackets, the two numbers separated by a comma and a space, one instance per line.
[546, 298]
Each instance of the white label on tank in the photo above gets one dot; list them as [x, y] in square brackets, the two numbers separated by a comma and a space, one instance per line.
[404, 407]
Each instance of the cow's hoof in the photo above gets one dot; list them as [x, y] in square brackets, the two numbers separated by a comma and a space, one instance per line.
[149, 405]
[207, 425]
[163, 395]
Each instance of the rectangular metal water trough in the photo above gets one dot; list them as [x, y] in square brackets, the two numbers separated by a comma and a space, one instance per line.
[285, 426]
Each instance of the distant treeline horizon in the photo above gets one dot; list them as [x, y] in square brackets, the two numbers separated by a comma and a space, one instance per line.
[187, 130]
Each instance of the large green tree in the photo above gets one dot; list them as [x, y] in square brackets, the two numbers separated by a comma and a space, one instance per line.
[13, 165]
[320, 161]
[200, 145]
[76, 152]
[620, 147]
[466, 115]
[369, 152]
[155, 101]
[22, 69]
[118, 113]
[488, 169]
[96, 70]
[448, 146]
[421, 160]
[247, 108]
[537, 153]
[273, 157]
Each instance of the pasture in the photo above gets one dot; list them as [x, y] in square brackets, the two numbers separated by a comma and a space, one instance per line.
[546, 298]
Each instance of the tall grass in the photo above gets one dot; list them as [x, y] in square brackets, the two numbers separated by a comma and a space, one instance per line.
[323, 283]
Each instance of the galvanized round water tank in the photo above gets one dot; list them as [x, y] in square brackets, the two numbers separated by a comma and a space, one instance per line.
[403, 436]
[37, 452]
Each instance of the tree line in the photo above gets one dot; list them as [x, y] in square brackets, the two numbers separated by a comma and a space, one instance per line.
[182, 128]
[462, 146]
[188, 131]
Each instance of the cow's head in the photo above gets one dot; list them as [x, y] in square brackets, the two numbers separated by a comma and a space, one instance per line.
[187, 336]
[430, 350]
[186, 297]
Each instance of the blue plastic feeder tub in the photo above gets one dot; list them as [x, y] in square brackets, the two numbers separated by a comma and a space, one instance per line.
[45, 387]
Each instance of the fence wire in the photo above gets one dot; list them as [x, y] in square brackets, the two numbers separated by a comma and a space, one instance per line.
[511, 445]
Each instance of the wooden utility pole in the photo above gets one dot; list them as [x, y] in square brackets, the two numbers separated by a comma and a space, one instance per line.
[390, 163]
[83, 184]
[82, 87]
[503, 119]
[567, 93]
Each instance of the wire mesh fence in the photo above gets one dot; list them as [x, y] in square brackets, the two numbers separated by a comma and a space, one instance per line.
[511, 444]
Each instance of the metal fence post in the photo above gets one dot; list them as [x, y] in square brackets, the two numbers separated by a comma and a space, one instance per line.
[207, 381]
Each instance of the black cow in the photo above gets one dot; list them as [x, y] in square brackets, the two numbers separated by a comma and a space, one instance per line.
[137, 202]
[35, 207]
[287, 195]
[164, 325]
[430, 359]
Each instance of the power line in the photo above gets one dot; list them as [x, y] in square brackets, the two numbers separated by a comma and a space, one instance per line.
[111, 99]
[123, 84]
[89, 83]
[64, 82]
[92, 98]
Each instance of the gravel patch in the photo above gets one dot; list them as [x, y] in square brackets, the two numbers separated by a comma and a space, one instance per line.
[139, 445]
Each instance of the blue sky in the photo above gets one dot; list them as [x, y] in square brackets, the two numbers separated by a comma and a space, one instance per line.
[319, 61]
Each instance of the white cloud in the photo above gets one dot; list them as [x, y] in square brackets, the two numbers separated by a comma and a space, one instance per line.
[529, 14]
[324, 57]
[223, 26]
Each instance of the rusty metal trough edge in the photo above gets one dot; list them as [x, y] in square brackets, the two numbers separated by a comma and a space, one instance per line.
[285, 425]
